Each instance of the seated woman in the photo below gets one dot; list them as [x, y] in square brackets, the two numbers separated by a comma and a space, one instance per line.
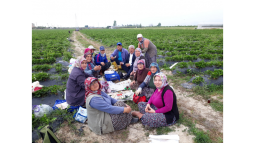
[105, 114]
[140, 75]
[161, 110]
[139, 56]
[75, 88]
[101, 59]
[147, 88]
[91, 69]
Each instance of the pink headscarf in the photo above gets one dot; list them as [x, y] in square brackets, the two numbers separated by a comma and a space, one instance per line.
[139, 62]
[87, 50]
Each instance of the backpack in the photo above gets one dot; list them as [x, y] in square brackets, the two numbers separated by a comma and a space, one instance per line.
[138, 99]
[48, 136]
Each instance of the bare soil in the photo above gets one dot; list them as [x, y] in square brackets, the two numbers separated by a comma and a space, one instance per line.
[196, 108]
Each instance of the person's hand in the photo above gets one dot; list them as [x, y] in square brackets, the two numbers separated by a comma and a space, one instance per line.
[127, 109]
[102, 63]
[112, 58]
[150, 110]
[138, 91]
[127, 64]
[133, 82]
[121, 63]
[128, 105]
[99, 67]
[147, 107]
[132, 73]
[96, 68]
[109, 60]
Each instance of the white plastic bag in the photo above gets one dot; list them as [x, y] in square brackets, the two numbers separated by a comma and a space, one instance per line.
[164, 138]
[40, 110]
[81, 115]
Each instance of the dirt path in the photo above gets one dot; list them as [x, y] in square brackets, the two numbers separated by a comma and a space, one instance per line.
[207, 118]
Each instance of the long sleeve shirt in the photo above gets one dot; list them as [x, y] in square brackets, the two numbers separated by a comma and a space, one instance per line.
[124, 54]
[100, 59]
[106, 104]
[156, 100]
[88, 71]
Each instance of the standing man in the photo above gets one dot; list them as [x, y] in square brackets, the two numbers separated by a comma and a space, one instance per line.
[119, 55]
[128, 64]
[148, 48]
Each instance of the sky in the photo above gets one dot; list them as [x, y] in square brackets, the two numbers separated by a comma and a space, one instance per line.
[102, 13]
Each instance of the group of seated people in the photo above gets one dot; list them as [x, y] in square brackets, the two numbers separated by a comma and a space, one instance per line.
[106, 114]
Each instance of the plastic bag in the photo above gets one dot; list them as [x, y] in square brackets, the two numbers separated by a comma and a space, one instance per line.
[40, 110]
[81, 115]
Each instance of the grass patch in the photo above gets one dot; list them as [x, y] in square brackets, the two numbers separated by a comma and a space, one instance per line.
[164, 130]
[133, 105]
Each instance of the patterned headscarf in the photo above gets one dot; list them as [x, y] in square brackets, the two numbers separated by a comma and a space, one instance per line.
[141, 42]
[139, 62]
[87, 50]
[163, 79]
[139, 49]
[150, 74]
[89, 63]
[78, 62]
[87, 83]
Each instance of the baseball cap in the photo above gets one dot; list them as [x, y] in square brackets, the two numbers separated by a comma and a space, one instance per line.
[102, 48]
[119, 44]
[139, 35]
[91, 47]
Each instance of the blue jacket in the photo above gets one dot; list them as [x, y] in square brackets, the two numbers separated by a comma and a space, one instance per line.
[99, 59]
[124, 54]
[106, 104]
[88, 71]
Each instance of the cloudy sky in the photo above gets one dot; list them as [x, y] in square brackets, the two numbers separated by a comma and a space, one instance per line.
[146, 12]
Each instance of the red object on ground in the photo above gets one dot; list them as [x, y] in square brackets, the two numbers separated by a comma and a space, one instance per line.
[209, 101]
[37, 88]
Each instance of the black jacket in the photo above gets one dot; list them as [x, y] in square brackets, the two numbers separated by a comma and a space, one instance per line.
[133, 59]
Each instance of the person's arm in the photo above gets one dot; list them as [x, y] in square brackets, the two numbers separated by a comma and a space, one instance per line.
[101, 105]
[138, 45]
[89, 71]
[114, 53]
[105, 60]
[97, 62]
[135, 77]
[146, 44]
[113, 101]
[88, 75]
[150, 100]
[127, 59]
[168, 99]
[80, 81]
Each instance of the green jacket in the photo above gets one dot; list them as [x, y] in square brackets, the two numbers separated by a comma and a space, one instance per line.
[98, 120]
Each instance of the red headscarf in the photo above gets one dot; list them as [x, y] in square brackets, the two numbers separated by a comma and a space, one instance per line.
[87, 50]
[87, 83]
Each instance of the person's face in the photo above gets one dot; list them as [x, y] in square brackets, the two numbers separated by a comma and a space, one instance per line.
[102, 51]
[119, 47]
[92, 50]
[140, 66]
[94, 85]
[137, 53]
[140, 39]
[131, 50]
[157, 81]
[89, 58]
[153, 69]
[83, 64]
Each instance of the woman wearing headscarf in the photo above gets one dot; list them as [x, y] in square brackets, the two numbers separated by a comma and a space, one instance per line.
[105, 114]
[140, 75]
[139, 56]
[75, 89]
[148, 48]
[91, 68]
[161, 109]
[101, 59]
[147, 88]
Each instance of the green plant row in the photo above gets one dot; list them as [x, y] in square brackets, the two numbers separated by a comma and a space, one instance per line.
[44, 61]
[41, 76]
[215, 74]
[198, 80]
[200, 64]
[46, 90]
[44, 67]
[178, 58]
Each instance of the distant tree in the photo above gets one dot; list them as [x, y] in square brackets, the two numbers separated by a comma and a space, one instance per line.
[140, 25]
[114, 23]
[86, 26]
[159, 24]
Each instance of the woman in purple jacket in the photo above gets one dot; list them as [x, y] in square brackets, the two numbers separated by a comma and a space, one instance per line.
[75, 88]
[161, 110]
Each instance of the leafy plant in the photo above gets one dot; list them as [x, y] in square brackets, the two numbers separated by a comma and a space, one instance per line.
[200, 64]
[198, 80]
[58, 67]
[182, 65]
[216, 73]
[40, 76]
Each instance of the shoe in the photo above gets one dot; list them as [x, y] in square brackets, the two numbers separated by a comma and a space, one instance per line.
[120, 73]
[134, 120]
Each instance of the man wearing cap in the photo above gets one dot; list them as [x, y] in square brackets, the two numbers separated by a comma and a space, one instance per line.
[128, 64]
[101, 59]
[148, 48]
[119, 55]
